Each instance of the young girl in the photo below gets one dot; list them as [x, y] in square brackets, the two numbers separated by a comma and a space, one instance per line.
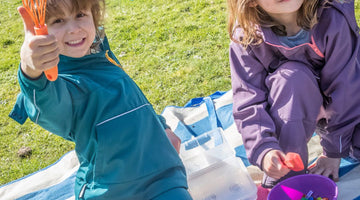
[294, 65]
[121, 144]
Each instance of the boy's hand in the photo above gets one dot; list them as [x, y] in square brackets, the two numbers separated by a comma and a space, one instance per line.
[325, 166]
[38, 53]
[273, 166]
[174, 139]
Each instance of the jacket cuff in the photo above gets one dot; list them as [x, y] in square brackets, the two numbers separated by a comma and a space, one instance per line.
[342, 154]
[37, 83]
[330, 150]
[18, 113]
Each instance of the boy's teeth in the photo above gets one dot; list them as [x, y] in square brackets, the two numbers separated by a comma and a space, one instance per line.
[75, 41]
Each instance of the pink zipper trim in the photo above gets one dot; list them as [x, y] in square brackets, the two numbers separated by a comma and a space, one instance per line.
[313, 47]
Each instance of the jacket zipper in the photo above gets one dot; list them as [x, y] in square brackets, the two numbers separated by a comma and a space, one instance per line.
[82, 191]
[312, 46]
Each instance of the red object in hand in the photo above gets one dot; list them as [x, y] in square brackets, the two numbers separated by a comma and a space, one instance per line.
[293, 161]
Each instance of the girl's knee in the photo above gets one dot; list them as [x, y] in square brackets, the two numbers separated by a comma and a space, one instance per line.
[296, 73]
[295, 79]
[294, 92]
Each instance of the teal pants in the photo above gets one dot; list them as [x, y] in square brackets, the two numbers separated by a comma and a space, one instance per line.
[174, 194]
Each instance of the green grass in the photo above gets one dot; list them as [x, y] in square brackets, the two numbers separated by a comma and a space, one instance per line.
[174, 50]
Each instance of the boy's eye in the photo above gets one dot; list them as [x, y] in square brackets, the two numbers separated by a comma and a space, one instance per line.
[56, 21]
[81, 14]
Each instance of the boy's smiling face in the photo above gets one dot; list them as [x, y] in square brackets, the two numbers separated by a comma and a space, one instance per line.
[75, 32]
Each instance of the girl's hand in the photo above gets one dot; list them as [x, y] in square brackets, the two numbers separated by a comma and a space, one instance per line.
[174, 139]
[38, 53]
[273, 166]
[325, 166]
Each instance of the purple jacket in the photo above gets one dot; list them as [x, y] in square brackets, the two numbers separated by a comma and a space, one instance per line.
[332, 55]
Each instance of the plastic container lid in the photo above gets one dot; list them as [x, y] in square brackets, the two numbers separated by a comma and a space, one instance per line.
[214, 173]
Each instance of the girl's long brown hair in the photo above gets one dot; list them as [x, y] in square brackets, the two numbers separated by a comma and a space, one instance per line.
[248, 16]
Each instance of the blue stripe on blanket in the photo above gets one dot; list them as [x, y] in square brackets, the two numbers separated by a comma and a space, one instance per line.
[63, 190]
[241, 153]
[346, 165]
[197, 101]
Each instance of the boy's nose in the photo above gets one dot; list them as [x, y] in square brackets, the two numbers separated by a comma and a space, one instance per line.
[73, 27]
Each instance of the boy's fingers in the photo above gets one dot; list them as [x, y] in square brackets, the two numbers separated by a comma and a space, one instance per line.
[50, 56]
[28, 23]
[44, 40]
[51, 63]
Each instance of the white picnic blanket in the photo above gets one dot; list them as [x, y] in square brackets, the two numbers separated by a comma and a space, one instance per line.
[57, 181]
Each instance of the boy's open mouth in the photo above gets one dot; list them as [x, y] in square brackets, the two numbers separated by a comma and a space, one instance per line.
[75, 43]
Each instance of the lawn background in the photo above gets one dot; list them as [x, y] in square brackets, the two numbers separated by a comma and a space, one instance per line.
[174, 50]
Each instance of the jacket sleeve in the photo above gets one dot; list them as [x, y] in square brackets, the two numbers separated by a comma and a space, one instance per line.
[250, 102]
[48, 104]
[340, 82]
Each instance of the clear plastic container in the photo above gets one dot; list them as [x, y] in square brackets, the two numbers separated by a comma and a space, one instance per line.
[213, 170]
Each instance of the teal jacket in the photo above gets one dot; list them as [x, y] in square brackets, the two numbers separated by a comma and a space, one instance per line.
[121, 144]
